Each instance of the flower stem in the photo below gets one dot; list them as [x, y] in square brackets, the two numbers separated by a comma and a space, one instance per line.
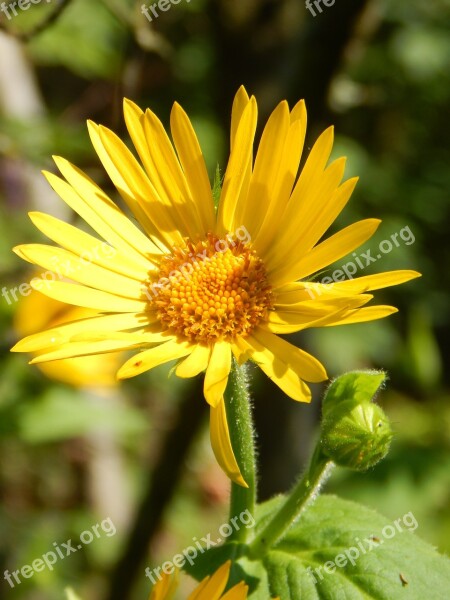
[239, 417]
[305, 491]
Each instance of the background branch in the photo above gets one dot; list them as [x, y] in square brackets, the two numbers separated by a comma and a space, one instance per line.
[161, 487]
[26, 36]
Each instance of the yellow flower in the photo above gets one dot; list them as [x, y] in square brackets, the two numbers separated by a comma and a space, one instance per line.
[36, 312]
[211, 588]
[195, 286]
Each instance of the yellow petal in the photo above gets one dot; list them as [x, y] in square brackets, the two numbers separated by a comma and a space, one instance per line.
[94, 196]
[280, 373]
[195, 363]
[237, 168]
[221, 443]
[334, 248]
[97, 371]
[265, 172]
[305, 365]
[237, 592]
[90, 248]
[314, 167]
[75, 349]
[377, 281]
[305, 291]
[301, 226]
[57, 336]
[67, 265]
[242, 352]
[217, 372]
[134, 187]
[166, 587]
[193, 163]
[298, 113]
[319, 302]
[299, 292]
[153, 357]
[80, 295]
[168, 193]
[281, 325]
[285, 364]
[169, 180]
[370, 313]
[135, 118]
[290, 321]
[197, 593]
[99, 211]
[215, 584]
[240, 102]
[282, 187]
[327, 211]
[36, 312]
[145, 336]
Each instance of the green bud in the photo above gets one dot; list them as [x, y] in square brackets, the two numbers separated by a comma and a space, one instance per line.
[355, 432]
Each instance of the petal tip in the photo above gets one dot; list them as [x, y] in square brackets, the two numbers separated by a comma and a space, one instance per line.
[122, 373]
[17, 347]
[240, 481]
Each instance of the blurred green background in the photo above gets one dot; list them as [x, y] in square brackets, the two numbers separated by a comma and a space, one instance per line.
[139, 453]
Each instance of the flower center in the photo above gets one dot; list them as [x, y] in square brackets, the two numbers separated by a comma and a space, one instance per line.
[212, 290]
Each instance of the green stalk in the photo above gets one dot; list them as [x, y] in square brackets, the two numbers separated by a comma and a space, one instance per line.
[302, 494]
[240, 424]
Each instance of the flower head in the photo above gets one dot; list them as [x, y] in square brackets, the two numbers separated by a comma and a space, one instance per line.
[199, 287]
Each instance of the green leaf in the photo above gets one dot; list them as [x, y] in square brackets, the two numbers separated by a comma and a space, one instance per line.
[377, 558]
[358, 386]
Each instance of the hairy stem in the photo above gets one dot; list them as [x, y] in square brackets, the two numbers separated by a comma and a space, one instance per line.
[240, 424]
[305, 491]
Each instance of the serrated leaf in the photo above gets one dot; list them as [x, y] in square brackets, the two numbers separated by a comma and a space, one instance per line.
[393, 563]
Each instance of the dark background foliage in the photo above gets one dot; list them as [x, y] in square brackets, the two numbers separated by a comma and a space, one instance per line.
[378, 70]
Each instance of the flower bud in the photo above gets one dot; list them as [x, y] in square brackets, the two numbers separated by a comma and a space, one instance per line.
[355, 432]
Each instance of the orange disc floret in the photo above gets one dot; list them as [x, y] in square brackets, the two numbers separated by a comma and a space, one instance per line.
[212, 290]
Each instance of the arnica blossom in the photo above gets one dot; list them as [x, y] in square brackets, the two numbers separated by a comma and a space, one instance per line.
[199, 286]
[211, 588]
